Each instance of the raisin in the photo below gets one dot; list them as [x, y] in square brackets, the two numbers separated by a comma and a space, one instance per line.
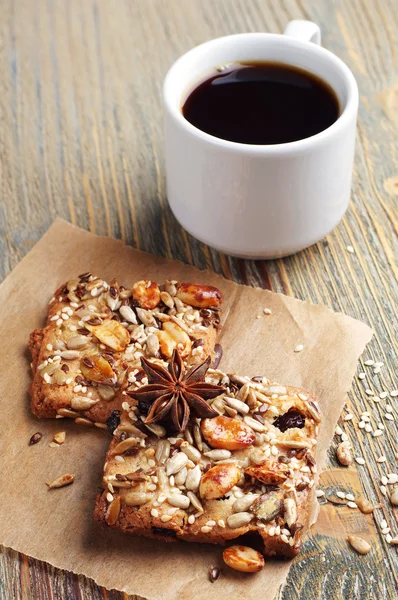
[113, 421]
[293, 418]
[162, 531]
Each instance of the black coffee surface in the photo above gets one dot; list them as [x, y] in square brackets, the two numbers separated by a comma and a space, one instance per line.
[262, 103]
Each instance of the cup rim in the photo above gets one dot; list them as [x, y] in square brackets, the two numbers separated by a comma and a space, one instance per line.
[349, 109]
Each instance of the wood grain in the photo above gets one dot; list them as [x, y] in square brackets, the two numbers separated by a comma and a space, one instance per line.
[80, 119]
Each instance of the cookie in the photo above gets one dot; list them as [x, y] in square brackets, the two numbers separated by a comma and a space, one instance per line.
[87, 357]
[203, 456]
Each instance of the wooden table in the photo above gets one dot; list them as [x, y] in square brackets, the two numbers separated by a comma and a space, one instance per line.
[81, 138]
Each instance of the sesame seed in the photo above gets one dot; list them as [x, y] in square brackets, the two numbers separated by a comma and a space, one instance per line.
[59, 322]
[350, 249]
[154, 512]
[205, 529]
[161, 498]
[284, 539]
[191, 519]
[379, 364]
[109, 497]
[360, 460]
[394, 393]
[299, 348]
[49, 347]
[383, 395]
[361, 375]
[65, 317]
[352, 504]
[383, 490]
[383, 523]
[338, 430]
[166, 518]
[369, 363]
[382, 459]
[340, 495]
[369, 392]
[392, 478]
[368, 427]
[210, 523]
[271, 531]
[380, 426]
[221, 523]
[365, 418]
[267, 311]
[376, 399]
[388, 408]
[344, 437]
[350, 497]
[69, 380]
[349, 417]
[384, 480]
[388, 538]
[361, 424]
[320, 493]
[377, 433]
[119, 458]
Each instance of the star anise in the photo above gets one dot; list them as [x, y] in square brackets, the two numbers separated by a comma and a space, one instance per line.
[171, 394]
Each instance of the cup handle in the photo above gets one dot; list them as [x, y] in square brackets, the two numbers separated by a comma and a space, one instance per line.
[306, 31]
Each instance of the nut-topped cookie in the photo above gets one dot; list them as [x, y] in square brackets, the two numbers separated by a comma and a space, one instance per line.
[89, 354]
[203, 456]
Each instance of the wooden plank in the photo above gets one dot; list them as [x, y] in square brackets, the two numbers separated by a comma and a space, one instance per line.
[81, 137]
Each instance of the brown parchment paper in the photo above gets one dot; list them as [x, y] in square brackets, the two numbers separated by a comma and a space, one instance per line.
[57, 526]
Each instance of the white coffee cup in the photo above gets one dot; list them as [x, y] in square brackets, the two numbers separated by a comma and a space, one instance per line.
[259, 201]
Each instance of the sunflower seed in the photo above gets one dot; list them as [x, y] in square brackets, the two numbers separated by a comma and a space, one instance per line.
[65, 412]
[191, 452]
[82, 403]
[218, 454]
[193, 479]
[239, 519]
[290, 511]
[77, 341]
[237, 405]
[196, 503]
[152, 344]
[106, 392]
[180, 477]
[113, 511]
[365, 506]
[178, 500]
[255, 425]
[242, 504]
[70, 354]
[128, 314]
[156, 429]
[344, 455]
[61, 481]
[394, 496]
[359, 544]
[136, 498]
[176, 463]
